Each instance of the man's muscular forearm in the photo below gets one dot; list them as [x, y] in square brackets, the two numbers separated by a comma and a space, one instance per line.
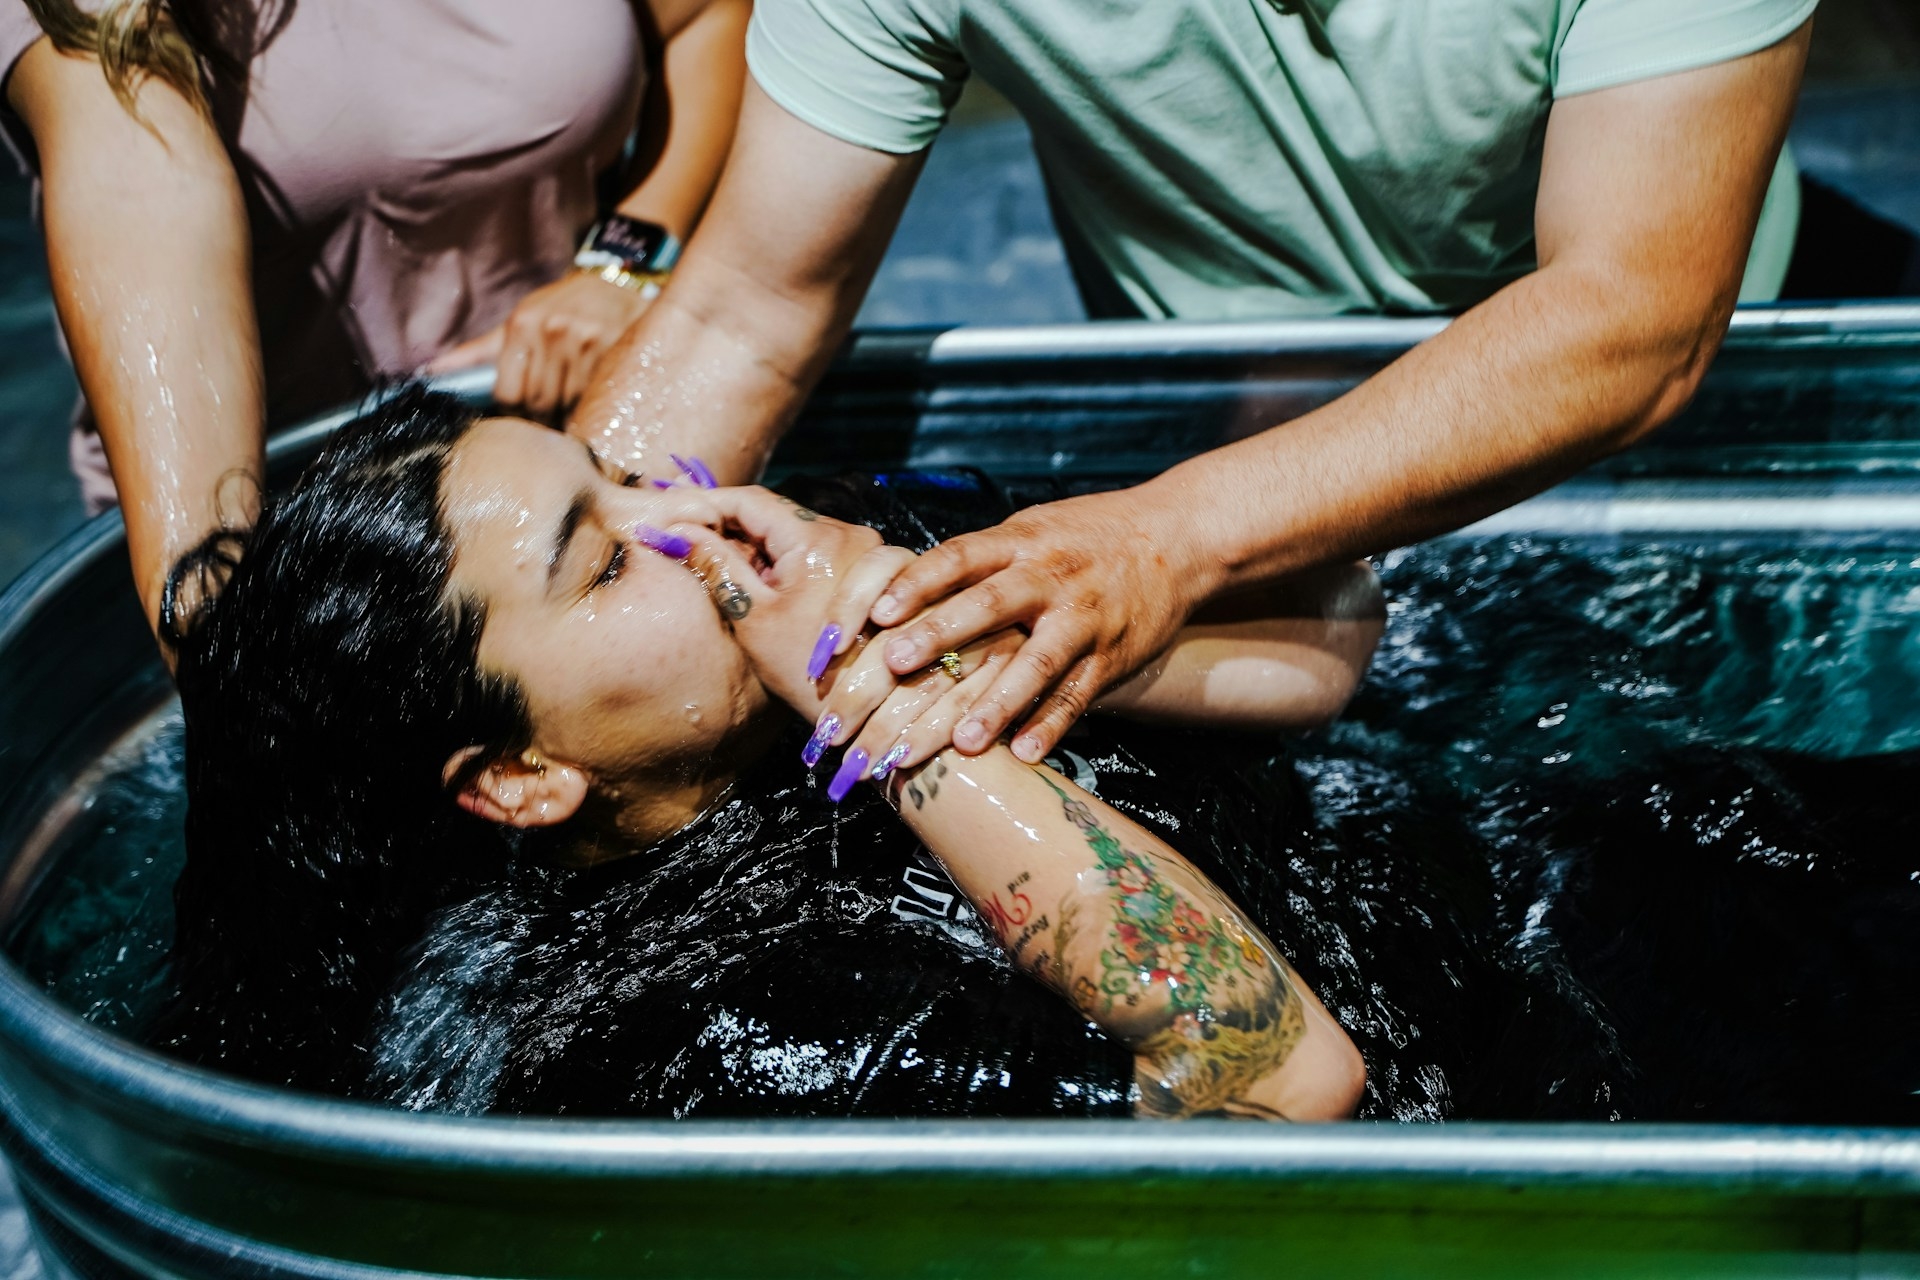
[766, 290]
[1519, 393]
[682, 382]
[1643, 230]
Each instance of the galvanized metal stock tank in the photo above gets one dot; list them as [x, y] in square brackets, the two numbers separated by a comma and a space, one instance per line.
[133, 1165]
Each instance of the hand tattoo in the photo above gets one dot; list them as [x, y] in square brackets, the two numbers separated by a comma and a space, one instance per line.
[1211, 1007]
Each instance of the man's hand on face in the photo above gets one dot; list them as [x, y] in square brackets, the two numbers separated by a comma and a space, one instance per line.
[1100, 584]
[796, 588]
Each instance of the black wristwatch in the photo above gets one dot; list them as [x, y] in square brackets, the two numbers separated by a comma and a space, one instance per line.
[634, 246]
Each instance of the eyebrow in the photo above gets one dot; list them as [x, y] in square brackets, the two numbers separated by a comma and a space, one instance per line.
[569, 525]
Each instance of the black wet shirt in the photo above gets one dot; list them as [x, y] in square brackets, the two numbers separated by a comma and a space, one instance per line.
[782, 956]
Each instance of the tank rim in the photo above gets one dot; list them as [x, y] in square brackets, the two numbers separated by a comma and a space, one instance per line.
[150, 1089]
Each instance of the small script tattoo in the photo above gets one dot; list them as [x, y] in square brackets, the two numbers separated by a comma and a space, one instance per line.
[800, 512]
[1017, 914]
[1016, 910]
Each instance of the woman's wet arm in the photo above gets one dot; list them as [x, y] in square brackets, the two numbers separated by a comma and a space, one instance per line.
[1288, 656]
[693, 102]
[149, 252]
[1136, 938]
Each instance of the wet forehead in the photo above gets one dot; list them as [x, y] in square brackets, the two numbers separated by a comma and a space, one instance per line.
[507, 488]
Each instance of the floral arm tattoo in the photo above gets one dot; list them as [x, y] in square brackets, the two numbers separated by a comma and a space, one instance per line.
[1208, 1006]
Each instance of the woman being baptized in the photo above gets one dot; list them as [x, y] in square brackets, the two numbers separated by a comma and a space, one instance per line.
[503, 796]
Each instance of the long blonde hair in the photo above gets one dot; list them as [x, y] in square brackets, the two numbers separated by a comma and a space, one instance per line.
[132, 39]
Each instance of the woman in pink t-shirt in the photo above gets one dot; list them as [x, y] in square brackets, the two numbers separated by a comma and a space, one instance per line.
[258, 208]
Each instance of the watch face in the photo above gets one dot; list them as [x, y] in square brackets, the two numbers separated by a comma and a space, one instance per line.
[630, 238]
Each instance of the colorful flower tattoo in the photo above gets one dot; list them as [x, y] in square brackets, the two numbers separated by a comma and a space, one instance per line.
[1160, 939]
[1231, 1016]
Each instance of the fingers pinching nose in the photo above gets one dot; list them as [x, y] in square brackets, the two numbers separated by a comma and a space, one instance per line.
[671, 545]
[823, 651]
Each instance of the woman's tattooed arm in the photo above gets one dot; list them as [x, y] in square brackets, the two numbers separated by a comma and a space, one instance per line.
[1137, 939]
[1154, 951]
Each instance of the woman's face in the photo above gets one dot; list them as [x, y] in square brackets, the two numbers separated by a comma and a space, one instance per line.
[628, 670]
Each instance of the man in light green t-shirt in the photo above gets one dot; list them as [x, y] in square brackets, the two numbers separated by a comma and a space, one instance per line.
[1215, 161]
[1588, 184]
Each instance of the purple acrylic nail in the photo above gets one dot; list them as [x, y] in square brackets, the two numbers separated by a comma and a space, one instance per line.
[851, 770]
[823, 651]
[667, 544]
[697, 471]
[660, 484]
[889, 762]
[822, 737]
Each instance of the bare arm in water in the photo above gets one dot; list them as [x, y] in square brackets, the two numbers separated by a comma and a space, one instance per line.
[1136, 939]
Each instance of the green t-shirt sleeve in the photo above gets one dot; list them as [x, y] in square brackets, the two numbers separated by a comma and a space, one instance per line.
[1614, 42]
[876, 73]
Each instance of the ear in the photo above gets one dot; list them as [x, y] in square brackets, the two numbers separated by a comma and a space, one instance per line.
[526, 790]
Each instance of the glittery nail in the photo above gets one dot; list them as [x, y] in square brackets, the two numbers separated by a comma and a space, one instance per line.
[697, 471]
[822, 736]
[667, 544]
[851, 770]
[888, 763]
[823, 651]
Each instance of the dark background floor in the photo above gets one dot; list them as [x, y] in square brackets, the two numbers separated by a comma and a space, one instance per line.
[976, 246]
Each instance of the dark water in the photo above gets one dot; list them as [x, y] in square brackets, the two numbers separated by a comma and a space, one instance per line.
[1671, 777]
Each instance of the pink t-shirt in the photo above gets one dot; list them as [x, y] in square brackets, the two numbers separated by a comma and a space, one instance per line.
[412, 168]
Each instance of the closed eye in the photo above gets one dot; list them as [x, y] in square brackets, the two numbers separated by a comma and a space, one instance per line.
[616, 562]
[613, 470]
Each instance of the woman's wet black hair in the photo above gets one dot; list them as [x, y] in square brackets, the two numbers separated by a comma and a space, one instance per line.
[325, 684]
